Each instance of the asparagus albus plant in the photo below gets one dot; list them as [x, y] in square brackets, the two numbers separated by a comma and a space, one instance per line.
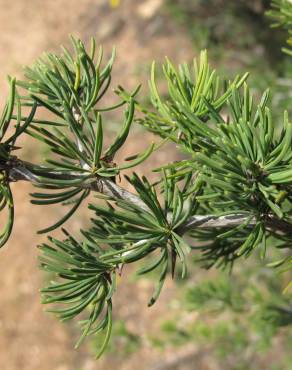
[228, 197]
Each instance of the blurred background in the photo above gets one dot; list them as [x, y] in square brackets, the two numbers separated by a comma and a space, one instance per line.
[208, 321]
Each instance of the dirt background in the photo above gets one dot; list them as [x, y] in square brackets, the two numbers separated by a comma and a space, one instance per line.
[31, 339]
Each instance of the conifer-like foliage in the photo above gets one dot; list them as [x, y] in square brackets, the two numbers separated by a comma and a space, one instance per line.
[230, 197]
[281, 14]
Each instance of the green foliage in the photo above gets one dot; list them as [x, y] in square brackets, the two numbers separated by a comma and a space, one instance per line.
[133, 232]
[233, 320]
[71, 87]
[7, 145]
[238, 37]
[236, 172]
[188, 88]
[244, 167]
[237, 164]
[281, 14]
[88, 282]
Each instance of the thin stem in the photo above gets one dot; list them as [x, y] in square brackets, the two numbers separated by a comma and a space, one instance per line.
[18, 170]
[211, 221]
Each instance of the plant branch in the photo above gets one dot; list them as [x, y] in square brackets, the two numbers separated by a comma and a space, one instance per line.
[18, 170]
[212, 221]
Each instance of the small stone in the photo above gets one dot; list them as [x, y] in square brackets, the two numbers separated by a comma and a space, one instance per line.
[149, 8]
